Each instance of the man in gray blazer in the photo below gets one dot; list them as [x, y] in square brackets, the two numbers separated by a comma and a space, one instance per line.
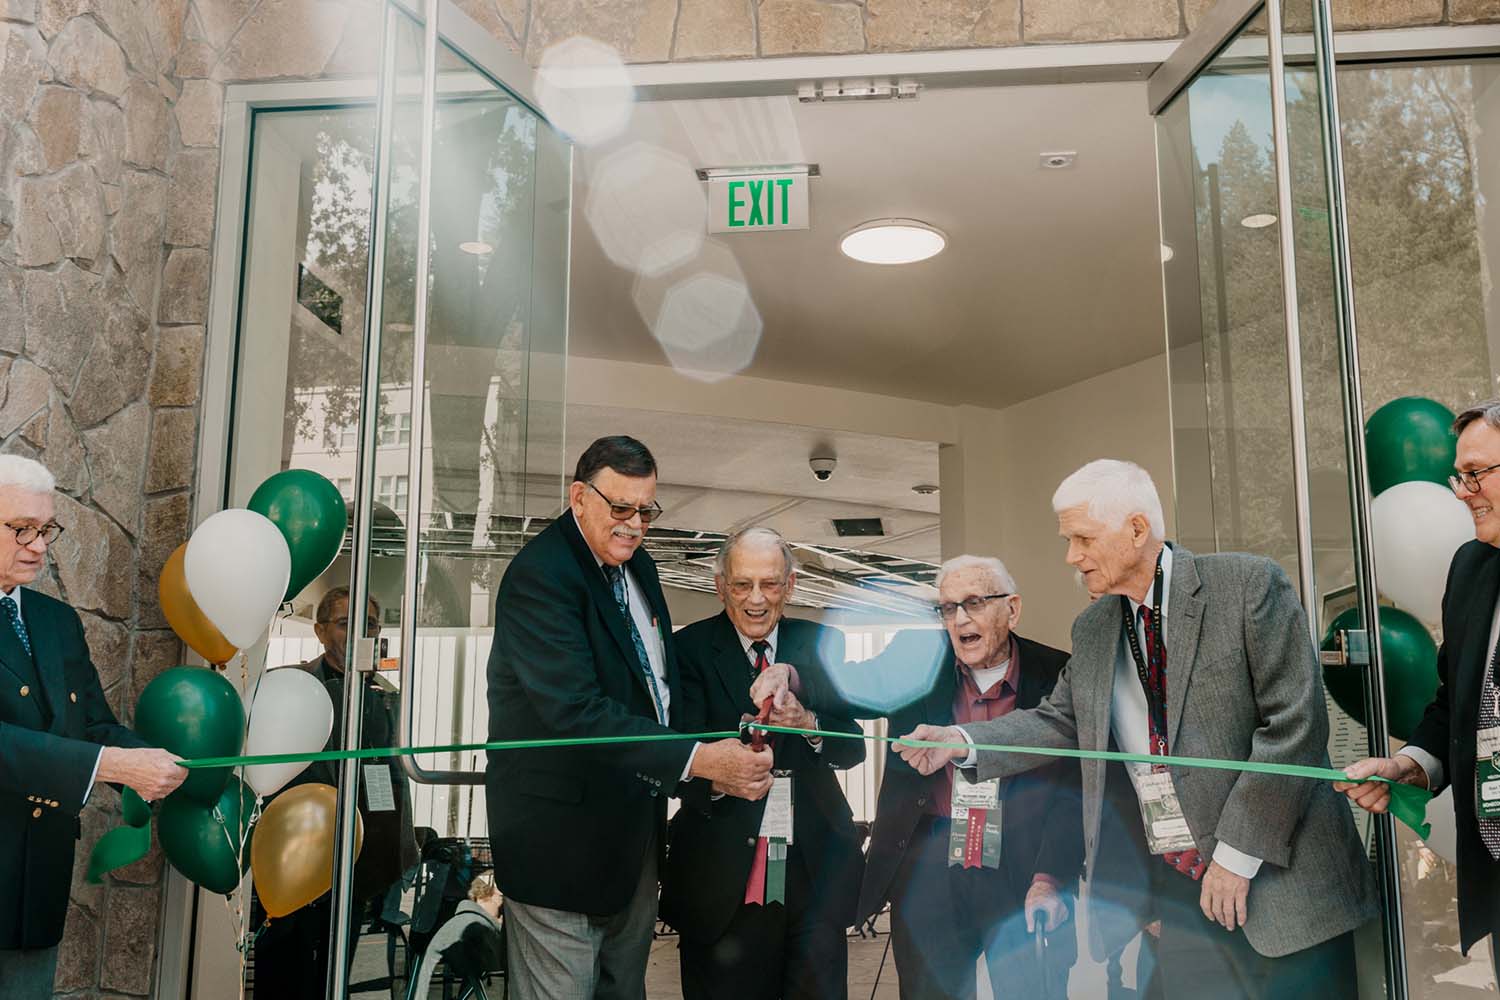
[1194, 656]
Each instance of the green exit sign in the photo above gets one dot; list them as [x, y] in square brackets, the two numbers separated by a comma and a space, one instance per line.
[745, 203]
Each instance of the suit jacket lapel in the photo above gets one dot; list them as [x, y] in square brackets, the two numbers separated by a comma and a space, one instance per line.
[939, 700]
[603, 595]
[1093, 672]
[1184, 621]
[47, 655]
[730, 663]
[12, 653]
[1475, 652]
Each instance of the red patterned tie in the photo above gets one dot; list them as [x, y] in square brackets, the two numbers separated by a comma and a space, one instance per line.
[1190, 863]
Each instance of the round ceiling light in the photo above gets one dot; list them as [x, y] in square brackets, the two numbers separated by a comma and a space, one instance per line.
[476, 247]
[1259, 221]
[893, 241]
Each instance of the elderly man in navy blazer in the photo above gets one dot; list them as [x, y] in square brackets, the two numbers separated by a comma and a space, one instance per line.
[58, 738]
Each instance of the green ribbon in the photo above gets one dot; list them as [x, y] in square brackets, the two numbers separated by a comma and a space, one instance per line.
[129, 842]
[126, 843]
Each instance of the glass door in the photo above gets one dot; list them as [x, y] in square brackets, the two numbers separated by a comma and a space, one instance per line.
[461, 457]
[1267, 412]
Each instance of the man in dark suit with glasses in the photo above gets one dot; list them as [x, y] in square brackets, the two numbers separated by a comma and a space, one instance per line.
[1458, 741]
[583, 648]
[58, 738]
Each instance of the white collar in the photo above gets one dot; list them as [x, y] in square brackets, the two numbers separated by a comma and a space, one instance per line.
[745, 642]
[15, 595]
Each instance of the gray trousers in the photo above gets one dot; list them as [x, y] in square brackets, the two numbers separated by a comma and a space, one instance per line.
[559, 955]
[27, 974]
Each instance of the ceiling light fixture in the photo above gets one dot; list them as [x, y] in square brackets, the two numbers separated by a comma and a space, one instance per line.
[476, 247]
[893, 241]
[1258, 221]
[924, 489]
[1166, 253]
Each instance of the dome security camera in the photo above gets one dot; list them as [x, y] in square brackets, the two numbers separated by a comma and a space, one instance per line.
[822, 467]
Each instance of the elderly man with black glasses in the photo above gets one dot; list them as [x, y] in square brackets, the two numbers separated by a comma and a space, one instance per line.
[58, 738]
[583, 648]
[969, 868]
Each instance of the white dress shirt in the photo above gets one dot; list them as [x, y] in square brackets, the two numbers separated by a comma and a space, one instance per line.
[656, 651]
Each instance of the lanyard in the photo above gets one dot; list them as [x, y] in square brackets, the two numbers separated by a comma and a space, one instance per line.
[1155, 693]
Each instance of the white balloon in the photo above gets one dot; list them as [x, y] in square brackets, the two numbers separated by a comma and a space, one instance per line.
[1417, 527]
[237, 567]
[292, 713]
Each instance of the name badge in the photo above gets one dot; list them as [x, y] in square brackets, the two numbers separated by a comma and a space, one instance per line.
[776, 821]
[1487, 774]
[974, 826]
[380, 794]
[1161, 813]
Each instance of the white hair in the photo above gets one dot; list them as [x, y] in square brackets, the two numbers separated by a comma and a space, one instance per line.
[25, 474]
[1000, 576]
[1112, 490]
[768, 537]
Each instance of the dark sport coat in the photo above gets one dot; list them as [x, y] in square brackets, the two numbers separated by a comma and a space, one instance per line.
[53, 719]
[1450, 726]
[571, 827]
[712, 842]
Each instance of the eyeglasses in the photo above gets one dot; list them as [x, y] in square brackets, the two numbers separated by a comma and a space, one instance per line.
[1462, 482]
[971, 605]
[28, 533]
[625, 511]
[743, 588]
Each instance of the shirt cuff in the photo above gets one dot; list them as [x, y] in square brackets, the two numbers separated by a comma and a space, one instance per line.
[1236, 861]
[816, 742]
[92, 776]
[1430, 765]
[973, 758]
[687, 770]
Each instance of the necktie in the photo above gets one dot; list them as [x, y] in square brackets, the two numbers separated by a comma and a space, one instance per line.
[1489, 716]
[755, 885]
[761, 648]
[616, 575]
[1190, 863]
[13, 615]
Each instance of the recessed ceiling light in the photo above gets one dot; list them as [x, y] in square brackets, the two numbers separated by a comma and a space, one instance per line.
[476, 247]
[893, 241]
[924, 489]
[1166, 253]
[1259, 221]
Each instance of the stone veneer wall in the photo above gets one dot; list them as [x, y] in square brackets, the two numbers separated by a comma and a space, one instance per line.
[110, 114]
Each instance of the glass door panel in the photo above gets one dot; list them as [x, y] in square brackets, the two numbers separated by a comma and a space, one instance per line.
[1260, 341]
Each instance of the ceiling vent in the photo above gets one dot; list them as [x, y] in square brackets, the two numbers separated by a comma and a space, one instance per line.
[858, 527]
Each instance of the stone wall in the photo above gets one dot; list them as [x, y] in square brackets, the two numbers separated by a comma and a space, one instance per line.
[646, 31]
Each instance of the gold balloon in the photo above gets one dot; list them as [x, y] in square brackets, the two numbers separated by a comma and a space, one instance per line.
[291, 853]
[187, 620]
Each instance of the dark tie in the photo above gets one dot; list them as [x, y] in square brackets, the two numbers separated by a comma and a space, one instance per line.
[616, 575]
[13, 615]
[1190, 863]
[761, 648]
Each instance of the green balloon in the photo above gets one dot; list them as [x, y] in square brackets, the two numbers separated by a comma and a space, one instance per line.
[199, 840]
[193, 712]
[1409, 439]
[1409, 657]
[311, 514]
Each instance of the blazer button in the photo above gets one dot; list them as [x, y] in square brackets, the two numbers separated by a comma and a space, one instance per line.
[25, 690]
[900, 845]
[36, 814]
[749, 841]
[922, 801]
[73, 697]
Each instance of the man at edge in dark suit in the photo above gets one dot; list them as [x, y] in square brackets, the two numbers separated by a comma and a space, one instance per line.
[1458, 741]
[747, 930]
[583, 648]
[58, 739]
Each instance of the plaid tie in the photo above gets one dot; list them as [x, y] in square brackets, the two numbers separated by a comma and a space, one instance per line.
[1190, 863]
[1489, 715]
[616, 576]
[13, 615]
